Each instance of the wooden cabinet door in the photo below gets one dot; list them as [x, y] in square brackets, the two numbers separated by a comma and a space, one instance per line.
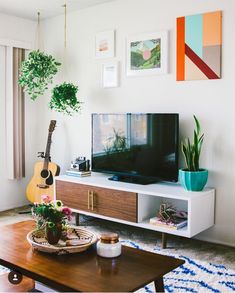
[114, 203]
[103, 201]
[73, 195]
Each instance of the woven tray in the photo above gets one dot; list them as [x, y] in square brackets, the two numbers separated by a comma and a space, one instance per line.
[85, 239]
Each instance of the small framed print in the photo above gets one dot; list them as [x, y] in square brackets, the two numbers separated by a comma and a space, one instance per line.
[105, 44]
[147, 54]
[110, 75]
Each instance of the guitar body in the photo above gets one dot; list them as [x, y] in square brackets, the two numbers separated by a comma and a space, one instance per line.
[42, 182]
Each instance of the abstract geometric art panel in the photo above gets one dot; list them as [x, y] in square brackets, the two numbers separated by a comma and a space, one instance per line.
[199, 44]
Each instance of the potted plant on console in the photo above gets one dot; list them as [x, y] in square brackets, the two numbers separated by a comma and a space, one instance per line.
[193, 178]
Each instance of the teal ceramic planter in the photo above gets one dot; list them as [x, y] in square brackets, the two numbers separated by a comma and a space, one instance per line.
[193, 181]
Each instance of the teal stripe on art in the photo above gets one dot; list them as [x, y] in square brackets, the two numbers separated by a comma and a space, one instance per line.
[193, 33]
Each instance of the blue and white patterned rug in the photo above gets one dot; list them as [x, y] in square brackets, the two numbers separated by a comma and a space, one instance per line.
[193, 276]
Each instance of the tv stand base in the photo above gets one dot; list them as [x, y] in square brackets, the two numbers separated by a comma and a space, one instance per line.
[133, 179]
[134, 204]
[164, 235]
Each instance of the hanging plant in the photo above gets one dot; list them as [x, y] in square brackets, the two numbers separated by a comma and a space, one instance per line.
[64, 99]
[36, 72]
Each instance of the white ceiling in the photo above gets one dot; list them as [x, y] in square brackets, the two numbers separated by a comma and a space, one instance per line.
[47, 8]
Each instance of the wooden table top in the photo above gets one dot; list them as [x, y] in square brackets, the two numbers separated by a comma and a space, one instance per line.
[82, 271]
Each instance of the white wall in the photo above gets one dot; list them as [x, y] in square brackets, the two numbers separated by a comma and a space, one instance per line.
[212, 101]
[13, 191]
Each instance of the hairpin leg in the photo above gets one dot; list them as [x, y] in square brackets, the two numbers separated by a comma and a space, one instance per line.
[164, 240]
[77, 219]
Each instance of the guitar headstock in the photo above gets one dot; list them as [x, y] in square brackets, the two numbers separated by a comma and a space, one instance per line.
[52, 126]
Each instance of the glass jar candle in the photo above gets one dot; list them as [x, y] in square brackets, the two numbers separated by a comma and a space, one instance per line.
[109, 245]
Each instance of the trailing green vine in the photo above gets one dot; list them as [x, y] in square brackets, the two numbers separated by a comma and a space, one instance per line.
[64, 99]
[36, 72]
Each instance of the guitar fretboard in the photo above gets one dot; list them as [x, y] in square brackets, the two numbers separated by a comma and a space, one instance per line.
[47, 152]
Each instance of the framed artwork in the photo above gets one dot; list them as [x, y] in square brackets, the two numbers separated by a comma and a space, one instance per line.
[110, 75]
[199, 45]
[147, 54]
[105, 44]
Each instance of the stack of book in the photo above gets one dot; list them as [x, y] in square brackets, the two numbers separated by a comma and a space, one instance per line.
[77, 173]
[177, 224]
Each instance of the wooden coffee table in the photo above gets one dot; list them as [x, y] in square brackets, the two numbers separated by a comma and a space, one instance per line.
[85, 271]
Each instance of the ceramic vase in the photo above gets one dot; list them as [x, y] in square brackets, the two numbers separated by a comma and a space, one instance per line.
[193, 181]
[53, 234]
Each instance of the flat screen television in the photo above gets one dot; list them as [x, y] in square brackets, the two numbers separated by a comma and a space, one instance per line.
[139, 148]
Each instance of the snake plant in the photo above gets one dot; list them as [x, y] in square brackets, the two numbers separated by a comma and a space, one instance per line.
[192, 150]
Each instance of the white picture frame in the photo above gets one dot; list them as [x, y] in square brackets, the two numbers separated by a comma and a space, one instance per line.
[105, 44]
[110, 74]
[144, 46]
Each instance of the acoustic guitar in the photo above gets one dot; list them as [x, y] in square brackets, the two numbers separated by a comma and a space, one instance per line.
[42, 182]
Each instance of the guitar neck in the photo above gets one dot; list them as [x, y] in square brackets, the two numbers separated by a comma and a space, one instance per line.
[47, 152]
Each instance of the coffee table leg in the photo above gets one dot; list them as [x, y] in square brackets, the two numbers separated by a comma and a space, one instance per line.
[159, 285]
[164, 240]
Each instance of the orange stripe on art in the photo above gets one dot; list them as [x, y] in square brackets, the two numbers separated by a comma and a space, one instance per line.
[180, 54]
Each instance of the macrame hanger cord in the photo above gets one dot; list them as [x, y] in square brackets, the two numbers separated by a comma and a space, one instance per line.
[65, 26]
[38, 32]
[65, 38]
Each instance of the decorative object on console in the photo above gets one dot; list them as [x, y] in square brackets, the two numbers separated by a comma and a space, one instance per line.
[193, 178]
[36, 72]
[109, 245]
[110, 75]
[76, 173]
[44, 172]
[199, 46]
[64, 99]
[105, 44]
[169, 217]
[147, 54]
[80, 164]
[80, 167]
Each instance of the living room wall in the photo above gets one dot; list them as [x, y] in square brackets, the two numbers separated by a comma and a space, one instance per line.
[210, 100]
[13, 191]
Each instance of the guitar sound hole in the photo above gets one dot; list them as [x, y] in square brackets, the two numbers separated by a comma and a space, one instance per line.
[45, 173]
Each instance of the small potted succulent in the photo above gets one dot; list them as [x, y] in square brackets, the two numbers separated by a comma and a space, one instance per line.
[51, 216]
[193, 178]
[64, 99]
[36, 72]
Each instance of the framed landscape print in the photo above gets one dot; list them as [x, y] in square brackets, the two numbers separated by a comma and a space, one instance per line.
[147, 54]
[105, 44]
[110, 75]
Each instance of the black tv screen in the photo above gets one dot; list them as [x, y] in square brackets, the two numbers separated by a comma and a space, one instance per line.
[136, 146]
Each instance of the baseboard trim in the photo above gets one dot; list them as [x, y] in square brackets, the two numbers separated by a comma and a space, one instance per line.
[215, 241]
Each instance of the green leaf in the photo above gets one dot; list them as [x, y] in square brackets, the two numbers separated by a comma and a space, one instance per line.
[36, 72]
[192, 151]
[64, 99]
[197, 124]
